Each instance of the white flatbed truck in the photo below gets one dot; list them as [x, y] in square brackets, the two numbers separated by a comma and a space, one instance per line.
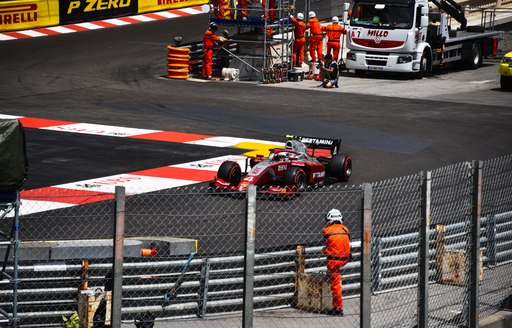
[404, 36]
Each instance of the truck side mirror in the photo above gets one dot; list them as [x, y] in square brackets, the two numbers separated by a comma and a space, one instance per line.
[424, 21]
[424, 11]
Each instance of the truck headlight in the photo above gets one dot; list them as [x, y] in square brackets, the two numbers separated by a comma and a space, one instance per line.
[404, 59]
[351, 56]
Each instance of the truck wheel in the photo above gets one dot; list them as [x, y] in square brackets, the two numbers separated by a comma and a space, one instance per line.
[506, 83]
[341, 167]
[475, 60]
[230, 172]
[425, 66]
[295, 176]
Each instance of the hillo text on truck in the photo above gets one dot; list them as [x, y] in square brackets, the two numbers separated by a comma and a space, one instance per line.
[404, 36]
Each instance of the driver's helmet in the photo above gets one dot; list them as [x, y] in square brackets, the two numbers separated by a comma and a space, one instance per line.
[296, 146]
[281, 156]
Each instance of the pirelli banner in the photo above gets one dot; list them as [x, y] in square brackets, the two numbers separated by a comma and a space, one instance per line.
[159, 5]
[75, 11]
[21, 14]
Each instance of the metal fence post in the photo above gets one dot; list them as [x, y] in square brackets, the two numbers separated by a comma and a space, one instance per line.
[250, 236]
[423, 251]
[476, 211]
[203, 288]
[366, 244]
[118, 256]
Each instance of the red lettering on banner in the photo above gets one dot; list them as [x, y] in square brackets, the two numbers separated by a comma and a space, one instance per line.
[169, 2]
[18, 14]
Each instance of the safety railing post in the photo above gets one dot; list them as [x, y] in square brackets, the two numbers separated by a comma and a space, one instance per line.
[366, 247]
[376, 269]
[250, 236]
[423, 251]
[203, 288]
[16, 244]
[490, 249]
[476, 210]
[117, 285]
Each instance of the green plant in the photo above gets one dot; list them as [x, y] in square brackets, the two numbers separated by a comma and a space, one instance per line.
[72, 322]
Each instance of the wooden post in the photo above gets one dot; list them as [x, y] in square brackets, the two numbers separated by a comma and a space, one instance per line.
[85, 275]
[299, 266]
[440, 250]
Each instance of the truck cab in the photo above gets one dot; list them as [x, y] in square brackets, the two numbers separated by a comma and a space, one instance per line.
[404, 36]
[388, 35]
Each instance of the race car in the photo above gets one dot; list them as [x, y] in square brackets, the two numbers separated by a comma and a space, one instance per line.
[505, 70]
[288, 170]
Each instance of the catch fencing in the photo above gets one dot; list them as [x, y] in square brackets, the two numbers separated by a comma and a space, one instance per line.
[414, 238]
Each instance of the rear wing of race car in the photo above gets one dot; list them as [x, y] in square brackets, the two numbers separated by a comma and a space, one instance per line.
[313, 143]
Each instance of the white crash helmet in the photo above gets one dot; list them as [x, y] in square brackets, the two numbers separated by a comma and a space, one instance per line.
[311, 14]
[333, 216]
[335, 19]
[300, 16]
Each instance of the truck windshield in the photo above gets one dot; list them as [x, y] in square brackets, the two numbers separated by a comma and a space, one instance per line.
[384, 16]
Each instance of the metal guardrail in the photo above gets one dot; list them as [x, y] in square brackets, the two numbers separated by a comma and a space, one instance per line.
[213, 285]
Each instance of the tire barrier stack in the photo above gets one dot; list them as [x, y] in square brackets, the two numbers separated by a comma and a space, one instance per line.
[178, 62]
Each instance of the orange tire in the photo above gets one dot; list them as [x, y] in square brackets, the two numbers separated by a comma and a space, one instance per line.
[177, 73]
[174, 60]
[177, 66]
[178, 51]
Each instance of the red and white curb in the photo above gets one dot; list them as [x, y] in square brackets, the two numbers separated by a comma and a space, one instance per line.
[138, 182]
[113, 22]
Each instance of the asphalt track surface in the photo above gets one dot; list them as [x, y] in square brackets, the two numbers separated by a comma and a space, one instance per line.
[391, 127]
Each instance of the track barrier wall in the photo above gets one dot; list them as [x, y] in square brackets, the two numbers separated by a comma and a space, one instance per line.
[428, 242]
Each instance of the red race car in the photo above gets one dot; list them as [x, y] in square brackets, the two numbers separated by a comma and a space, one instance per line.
[287, 171]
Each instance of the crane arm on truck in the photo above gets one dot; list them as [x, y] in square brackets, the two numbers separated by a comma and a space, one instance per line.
[453, 9]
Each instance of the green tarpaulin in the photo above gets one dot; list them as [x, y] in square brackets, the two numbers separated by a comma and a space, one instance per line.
[13, 156]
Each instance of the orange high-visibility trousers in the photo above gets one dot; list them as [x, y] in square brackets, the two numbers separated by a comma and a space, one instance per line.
[315, 47]
[298, 50]
[333, 269]
[207, 61]
[335, 48]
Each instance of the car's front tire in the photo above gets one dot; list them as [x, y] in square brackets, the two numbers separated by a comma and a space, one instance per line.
[230, 172]
[506, 83]
[295, 176]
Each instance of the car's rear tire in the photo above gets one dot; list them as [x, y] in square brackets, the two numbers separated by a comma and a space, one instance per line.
[341, 167]
[230, 172]
[506, 83]
[295, 176]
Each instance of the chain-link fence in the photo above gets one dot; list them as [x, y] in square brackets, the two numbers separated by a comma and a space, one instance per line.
[184, 254]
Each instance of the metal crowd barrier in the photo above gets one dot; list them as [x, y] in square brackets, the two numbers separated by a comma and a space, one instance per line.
[214, 285]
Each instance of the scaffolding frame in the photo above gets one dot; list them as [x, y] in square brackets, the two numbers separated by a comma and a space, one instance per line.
[10, 242]
[276, 36]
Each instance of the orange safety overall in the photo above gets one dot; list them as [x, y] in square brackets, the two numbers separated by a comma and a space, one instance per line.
[315, 40]
[271, 9]
[242, 4]
[337, 249]
[299, 29]
[209, 40]
[218, 8]
[334, 32]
